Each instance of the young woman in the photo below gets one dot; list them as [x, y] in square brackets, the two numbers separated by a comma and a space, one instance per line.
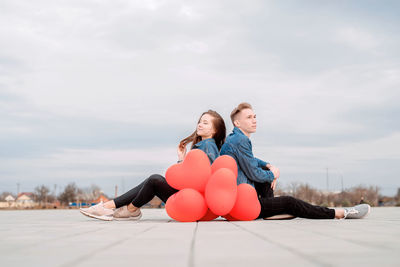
[209, 136]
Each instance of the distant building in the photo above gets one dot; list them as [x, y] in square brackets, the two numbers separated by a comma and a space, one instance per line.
[100, 199]
[8, 203]
[28, 194]
[25, 200]
[56, 204]
[9, 198]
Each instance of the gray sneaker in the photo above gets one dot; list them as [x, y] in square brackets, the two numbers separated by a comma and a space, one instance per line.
[123, 214]
[98, 211]
[357, 212]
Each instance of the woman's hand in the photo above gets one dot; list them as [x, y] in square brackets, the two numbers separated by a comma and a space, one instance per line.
[181, 152]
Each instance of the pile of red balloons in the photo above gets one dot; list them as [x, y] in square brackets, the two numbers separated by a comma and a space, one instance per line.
[208, 191]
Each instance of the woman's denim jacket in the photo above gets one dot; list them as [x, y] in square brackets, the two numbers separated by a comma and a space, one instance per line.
[209, 147]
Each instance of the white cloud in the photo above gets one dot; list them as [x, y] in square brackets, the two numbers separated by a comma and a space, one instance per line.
[356, 38]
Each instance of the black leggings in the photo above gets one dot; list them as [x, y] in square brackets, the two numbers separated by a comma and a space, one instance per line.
[155, 185]
[293, 206]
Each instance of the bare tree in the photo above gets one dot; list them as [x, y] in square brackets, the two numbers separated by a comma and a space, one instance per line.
[292, 189]
[350, 197]
[367, 194]
[41, 194]
[69, 194]
[307, 193]
[89, 194]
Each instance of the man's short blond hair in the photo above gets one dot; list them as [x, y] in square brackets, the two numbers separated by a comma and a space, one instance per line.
[237, 110]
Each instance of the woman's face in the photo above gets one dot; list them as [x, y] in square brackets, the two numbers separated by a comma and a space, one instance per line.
[205, 127]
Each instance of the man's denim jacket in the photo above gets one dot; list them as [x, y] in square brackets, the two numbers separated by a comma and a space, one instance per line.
[250, 169]
[209, 147]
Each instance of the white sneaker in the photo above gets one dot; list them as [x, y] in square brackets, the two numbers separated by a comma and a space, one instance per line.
[123, 214]
[357, 212]
[98, 211]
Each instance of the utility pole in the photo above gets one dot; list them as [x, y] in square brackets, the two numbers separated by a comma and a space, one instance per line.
[327, 179]
[116, 190]
[327, 185]
[18, 189]
[341, 176]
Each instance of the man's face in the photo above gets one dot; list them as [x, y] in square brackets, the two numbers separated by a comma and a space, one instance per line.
[246, 121]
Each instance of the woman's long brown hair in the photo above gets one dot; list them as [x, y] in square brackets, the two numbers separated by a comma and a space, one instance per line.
[219, 135]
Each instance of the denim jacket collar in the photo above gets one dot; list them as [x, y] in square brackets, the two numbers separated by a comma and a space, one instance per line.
[236, 130]
[204, 141]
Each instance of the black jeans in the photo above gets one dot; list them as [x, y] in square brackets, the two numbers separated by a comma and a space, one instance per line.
[264, 190]
[289, 205]
[155, 185]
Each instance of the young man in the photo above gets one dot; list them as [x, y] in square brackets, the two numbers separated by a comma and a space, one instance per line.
[263, 176]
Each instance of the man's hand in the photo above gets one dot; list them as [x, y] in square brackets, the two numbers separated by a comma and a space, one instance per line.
[273, 184]
[275, 171]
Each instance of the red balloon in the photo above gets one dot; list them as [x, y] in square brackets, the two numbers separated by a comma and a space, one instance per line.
[247, 206]
[187, 205]
[221, 191]
[225, 161]
[193, 172]
[170, 206]
[209, 216]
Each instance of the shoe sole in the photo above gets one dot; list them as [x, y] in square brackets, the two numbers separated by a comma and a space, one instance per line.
[365, 215]
[103, 218]
[129, 219]
[280, 217]
[369, 210]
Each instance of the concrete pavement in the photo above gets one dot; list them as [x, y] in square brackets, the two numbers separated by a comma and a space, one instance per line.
[67, 238]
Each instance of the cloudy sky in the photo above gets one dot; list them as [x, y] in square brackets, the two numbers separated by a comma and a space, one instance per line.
[101, 92]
